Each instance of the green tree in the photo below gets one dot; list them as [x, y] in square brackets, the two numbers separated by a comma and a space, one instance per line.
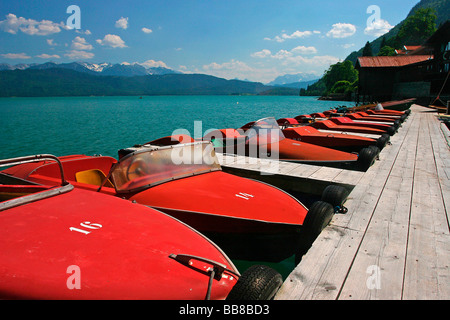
[341, 86]
[418, 27]
[367, 51]
[342, 72]
[339, 71]
[387, 51]
[316, 89]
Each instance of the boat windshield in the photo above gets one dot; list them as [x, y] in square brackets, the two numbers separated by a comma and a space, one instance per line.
[150, 166]
[266, 130]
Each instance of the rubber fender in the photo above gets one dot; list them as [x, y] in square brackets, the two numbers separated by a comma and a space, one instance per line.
[259, 282]
[367, 157]
[335, 195]
[382, 141]
[318, 217]
[391, 130]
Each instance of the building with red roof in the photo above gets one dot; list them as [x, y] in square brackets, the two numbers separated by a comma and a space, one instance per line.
[415, 72]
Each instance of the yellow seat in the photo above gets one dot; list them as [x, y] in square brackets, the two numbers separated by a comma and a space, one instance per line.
[92, 176]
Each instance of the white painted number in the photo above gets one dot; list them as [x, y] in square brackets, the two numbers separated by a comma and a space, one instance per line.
[245, 196]
[86, 225]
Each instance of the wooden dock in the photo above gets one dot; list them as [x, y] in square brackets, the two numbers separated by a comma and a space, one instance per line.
[296, 177]
[394, 242]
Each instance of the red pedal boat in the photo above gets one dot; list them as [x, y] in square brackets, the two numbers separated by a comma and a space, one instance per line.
[345, 121]
[62, 242]
[248, 219]
[264, 139]
[362, 116]
[330, 125]
[338, 141]
[388, 112]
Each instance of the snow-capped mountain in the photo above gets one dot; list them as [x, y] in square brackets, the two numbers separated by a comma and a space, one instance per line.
[102, 69]
[291, 78]
[97, 67]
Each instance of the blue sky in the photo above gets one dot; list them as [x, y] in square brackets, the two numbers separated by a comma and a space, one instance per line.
[256, 40]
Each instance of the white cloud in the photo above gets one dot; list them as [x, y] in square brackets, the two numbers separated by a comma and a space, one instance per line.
[12, 24]
[153, 64]
[232, 65]
[48, 56]
[304, 50]
[228, 70]
[261, 54]
[15, 56]
[282, 54]
[51, 43]
[341, 30]
[236, 69]
[348, 45]
[295, 35]
[80, 43]
[122, 23]
[147, 30]
[377, 28]
[112, 40]
[79, 55]
[87, 32]
[315, 60]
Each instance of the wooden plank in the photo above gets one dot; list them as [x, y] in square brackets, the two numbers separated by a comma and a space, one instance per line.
[380, 232]
[441, 152]
[346, 176]
[304, 170]
[382, 253]
[368, 190]
[324, 268]
[325, 173]
[290, 176]
[427, 273]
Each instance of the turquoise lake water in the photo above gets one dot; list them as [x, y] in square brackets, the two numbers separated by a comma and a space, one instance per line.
[103, 125]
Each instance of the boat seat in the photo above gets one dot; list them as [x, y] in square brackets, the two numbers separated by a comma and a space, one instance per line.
[92, 176]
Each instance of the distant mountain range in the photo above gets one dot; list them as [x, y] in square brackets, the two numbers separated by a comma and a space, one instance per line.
[101, 69]
[298, 80]
[84, 79]
[38, 81]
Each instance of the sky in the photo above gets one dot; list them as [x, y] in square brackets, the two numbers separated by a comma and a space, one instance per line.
[255, 40]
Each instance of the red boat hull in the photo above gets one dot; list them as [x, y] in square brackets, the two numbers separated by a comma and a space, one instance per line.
[330, 125]
[86, 245]
[216, 203]
[344, 142]
[366, 117]
[346, 121]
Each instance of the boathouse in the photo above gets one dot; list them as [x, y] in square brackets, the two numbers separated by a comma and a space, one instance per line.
[419, 71]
